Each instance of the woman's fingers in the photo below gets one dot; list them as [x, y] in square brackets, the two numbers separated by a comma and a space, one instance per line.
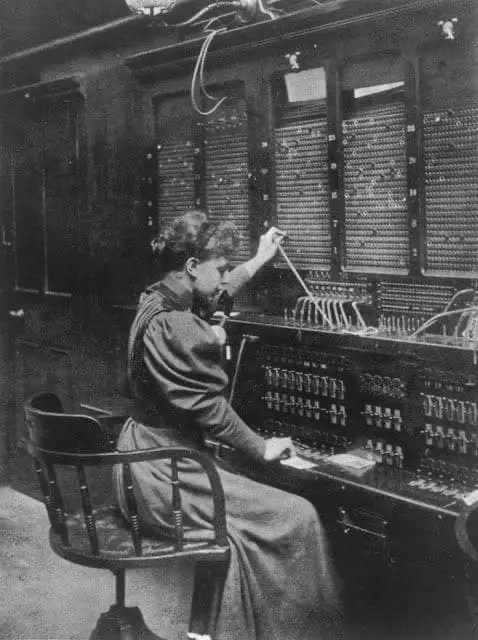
[279, 448]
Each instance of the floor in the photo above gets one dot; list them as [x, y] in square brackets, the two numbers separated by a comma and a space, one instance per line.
[44, 597]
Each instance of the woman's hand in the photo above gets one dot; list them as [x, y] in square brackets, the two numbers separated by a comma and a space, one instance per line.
[268, 244]
[278, 448]
[220, 331]
[221, 334]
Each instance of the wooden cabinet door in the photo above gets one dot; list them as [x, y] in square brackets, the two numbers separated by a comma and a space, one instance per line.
[41, 211]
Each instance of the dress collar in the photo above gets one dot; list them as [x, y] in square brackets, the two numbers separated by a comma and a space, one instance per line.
[175, 289]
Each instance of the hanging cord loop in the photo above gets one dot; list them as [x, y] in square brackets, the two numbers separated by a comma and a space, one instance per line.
[198, 76]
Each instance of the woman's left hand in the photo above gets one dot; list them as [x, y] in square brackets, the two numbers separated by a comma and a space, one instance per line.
[220, 331]
[220, 334]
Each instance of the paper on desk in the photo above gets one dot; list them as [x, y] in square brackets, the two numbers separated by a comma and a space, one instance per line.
[351, 462]
[298, 463]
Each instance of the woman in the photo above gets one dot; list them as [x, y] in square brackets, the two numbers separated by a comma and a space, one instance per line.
[279, 584]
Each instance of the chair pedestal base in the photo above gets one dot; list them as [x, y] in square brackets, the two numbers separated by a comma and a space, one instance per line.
[122, 623]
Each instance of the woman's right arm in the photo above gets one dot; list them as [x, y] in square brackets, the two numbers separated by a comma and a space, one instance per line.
[183, 357]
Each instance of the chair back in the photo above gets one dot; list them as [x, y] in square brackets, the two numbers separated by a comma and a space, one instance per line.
[59, 439]
[49, 427]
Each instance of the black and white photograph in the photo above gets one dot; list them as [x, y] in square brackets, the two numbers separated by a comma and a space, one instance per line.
[238, 320]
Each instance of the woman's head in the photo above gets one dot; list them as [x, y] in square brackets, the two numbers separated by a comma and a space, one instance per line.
[200, 249]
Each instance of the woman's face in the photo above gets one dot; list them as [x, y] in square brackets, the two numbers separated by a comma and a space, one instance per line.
[207, 276]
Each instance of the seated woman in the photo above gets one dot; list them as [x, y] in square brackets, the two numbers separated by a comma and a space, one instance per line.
[280, 584]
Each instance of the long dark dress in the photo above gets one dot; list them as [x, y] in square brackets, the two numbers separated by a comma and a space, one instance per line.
[280, 584]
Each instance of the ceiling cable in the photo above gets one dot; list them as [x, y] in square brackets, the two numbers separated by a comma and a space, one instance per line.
[199, 75]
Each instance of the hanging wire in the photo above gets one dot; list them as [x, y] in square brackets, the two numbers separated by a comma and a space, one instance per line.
[457, 295]
[220, 20]
[202, 84]
[199, 75]
[310, 295]
[444, 314]
[203, 12]
[265, 11]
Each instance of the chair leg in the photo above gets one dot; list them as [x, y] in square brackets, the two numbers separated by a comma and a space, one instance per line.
[120, 577]
[209, 579]
[120, 622]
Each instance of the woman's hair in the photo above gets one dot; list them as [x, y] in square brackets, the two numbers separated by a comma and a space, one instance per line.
[193, 236]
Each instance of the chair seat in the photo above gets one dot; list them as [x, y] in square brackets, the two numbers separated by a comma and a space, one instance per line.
[115, 544]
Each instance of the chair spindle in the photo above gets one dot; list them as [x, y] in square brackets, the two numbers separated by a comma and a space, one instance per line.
[87, 509]
[57, 504]
[40, 473]
[132, 509]
[176, 500]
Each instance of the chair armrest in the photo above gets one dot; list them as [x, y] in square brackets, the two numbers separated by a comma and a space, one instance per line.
[127, 458]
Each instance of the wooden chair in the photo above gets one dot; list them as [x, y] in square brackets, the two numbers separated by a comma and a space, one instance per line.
[98, 536]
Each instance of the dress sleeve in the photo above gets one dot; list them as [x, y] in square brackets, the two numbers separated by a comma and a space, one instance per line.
[183, 357]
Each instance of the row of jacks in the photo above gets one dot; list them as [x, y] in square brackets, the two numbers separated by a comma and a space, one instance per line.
[450, 409]
[383, 417]
[305, 407]
[452, 440]
[316, 385]
[385, 453]
[402, 325]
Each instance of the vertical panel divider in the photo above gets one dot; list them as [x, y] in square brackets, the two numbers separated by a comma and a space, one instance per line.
[260, 113]
[199, 164]
[149, 189]
[413, 129]
[335, 170]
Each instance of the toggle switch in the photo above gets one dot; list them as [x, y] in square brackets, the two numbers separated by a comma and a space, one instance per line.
[333, 413]
[378, 416]
[316, 410]
[299, 380]
[387, 418]
[307, 382]
[316, 385]
[342, 415]
[340, 389]
[368, 415]
[397, 420]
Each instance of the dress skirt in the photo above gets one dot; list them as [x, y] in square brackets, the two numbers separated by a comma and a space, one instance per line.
[280, 583]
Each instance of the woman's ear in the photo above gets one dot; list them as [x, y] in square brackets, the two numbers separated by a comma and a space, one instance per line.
[191, 267]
